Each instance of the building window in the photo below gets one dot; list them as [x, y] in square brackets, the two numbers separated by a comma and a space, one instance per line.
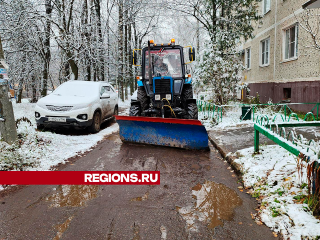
[266, 6]
[287, 93]
[291, 42]
[248, 58]
[265, 52]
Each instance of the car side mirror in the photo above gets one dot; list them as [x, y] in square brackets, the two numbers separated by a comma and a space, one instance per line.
[105, 95]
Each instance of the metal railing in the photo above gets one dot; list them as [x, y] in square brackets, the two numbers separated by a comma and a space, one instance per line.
[283, 110]
[297, 145]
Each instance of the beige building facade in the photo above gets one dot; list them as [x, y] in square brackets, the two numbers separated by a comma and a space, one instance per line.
[280, 65]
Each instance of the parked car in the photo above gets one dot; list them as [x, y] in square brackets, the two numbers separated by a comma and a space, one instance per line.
[78, 103]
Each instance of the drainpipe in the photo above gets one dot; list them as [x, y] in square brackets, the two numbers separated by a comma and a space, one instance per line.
[275, 44]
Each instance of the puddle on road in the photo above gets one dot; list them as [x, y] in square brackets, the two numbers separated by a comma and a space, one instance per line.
[73, 195]
[62, 228]
[214, 203]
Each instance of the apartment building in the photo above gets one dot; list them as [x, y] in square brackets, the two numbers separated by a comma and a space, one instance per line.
[279, 65]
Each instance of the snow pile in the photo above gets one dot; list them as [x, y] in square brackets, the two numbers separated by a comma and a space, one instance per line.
[273, 178]
[230, 118]
[41, 150]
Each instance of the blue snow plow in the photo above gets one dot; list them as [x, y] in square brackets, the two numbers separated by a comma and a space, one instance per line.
[165, 112]
[181, 133]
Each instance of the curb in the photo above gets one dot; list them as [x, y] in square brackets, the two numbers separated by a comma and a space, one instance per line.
[224, 153]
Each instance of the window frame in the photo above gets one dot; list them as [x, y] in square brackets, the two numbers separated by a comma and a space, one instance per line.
[265, 7]
[264, 53]
[285, 54]
[247, 66]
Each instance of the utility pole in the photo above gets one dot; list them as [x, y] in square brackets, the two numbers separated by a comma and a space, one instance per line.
[8, 131]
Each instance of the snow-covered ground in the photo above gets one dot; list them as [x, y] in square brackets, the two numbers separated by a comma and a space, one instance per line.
[273, 178]
[126, 104]
[41, 150]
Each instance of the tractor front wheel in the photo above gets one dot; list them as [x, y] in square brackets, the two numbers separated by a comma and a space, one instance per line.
[134, 110]
[192, 111]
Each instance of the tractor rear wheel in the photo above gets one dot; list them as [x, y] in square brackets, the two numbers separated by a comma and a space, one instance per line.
[143, 98]
[134, 111]
[192, 111]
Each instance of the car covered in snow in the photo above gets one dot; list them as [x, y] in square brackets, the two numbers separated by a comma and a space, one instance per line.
[81, 104]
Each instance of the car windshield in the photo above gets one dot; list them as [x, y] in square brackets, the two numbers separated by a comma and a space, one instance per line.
[76, 89]
[165, 62]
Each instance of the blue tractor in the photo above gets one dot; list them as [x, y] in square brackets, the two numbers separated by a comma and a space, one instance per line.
[165, 85]
[165, 112]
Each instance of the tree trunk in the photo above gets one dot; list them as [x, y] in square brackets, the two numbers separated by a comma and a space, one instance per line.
[46, 43]
[20, 88]
[8, 129]
[101, 76]
[73, 65]
[86, 39]
[130, 67]
[120, 49]
[34, 89]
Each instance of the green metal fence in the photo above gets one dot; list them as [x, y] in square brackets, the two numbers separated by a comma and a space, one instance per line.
[284, 110]
[291, 143]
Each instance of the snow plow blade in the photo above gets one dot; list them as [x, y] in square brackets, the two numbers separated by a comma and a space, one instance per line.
[172, 132]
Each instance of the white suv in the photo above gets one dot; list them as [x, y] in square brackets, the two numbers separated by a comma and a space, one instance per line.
[77, 103]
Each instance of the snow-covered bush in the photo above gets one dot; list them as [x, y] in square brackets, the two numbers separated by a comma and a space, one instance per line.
[219, 71]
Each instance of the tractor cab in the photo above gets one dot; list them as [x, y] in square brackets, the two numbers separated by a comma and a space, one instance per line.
[164, 87]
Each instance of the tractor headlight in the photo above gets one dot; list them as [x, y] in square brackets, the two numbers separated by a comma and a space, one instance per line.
[168, 96]
[157, 97]
[177, 86]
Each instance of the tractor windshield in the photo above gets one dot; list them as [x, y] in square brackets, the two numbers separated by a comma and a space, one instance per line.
[165, 62]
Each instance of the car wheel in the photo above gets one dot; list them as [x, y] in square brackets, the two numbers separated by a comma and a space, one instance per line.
[96, 122]
[115, 112]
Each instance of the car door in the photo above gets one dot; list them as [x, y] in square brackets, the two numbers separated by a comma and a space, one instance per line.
[105, 102]
[114, 98]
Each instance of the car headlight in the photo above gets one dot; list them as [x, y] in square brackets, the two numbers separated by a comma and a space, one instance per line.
[42, 105]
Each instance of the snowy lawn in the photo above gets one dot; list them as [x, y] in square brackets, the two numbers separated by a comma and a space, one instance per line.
[273, 178]
[231, 117]
[37, 150]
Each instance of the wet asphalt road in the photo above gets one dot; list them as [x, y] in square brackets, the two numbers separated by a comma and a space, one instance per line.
[198, 198]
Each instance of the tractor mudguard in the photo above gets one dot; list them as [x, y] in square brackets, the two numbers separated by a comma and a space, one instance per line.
[191, 100]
